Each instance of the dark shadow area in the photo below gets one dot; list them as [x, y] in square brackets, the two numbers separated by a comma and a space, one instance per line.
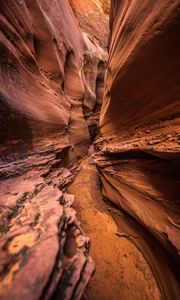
[15, 133]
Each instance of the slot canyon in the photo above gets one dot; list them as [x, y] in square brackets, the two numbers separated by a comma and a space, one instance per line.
[89, 149]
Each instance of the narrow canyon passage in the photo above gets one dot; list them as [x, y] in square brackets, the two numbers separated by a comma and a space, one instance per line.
[89, 149]
[120, 266]
[127, 257]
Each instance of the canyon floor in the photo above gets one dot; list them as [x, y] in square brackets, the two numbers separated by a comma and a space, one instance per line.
[122, 272]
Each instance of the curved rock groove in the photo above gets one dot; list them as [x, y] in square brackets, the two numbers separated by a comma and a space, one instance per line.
[89, 149]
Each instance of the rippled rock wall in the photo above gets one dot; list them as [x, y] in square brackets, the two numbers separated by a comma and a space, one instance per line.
[52, 69]
[139, 157]
[51, 86]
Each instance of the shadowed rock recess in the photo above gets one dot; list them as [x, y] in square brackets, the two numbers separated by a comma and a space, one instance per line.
[125, 197]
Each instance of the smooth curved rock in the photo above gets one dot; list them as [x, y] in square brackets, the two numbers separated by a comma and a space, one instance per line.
[51, 71]
[45, 85]
[139, 161]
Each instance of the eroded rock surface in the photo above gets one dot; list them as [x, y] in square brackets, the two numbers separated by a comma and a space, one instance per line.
[52, 62]
[51, 84]
[51, 73]
[139, 150]
[36, 262]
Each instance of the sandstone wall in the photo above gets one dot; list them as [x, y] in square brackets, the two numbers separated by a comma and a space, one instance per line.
[139, 161]
[51, 85]
[50, 75]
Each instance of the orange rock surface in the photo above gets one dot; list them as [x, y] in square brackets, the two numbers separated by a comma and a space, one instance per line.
[139, 149]
[51, 72]
[53, 57]
[51, 86]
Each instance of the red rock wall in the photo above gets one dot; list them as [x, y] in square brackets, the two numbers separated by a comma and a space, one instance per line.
[49, 67]
[51, 73]
[139, 160]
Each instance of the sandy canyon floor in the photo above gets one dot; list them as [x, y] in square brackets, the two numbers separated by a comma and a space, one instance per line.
[122, 272]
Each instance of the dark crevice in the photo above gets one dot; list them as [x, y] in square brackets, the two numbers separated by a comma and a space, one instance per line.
[130, 155]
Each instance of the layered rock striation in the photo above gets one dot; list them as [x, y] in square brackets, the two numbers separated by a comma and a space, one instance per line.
[51, 71]
[52, 63]
[51, 85]
[139, 150]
